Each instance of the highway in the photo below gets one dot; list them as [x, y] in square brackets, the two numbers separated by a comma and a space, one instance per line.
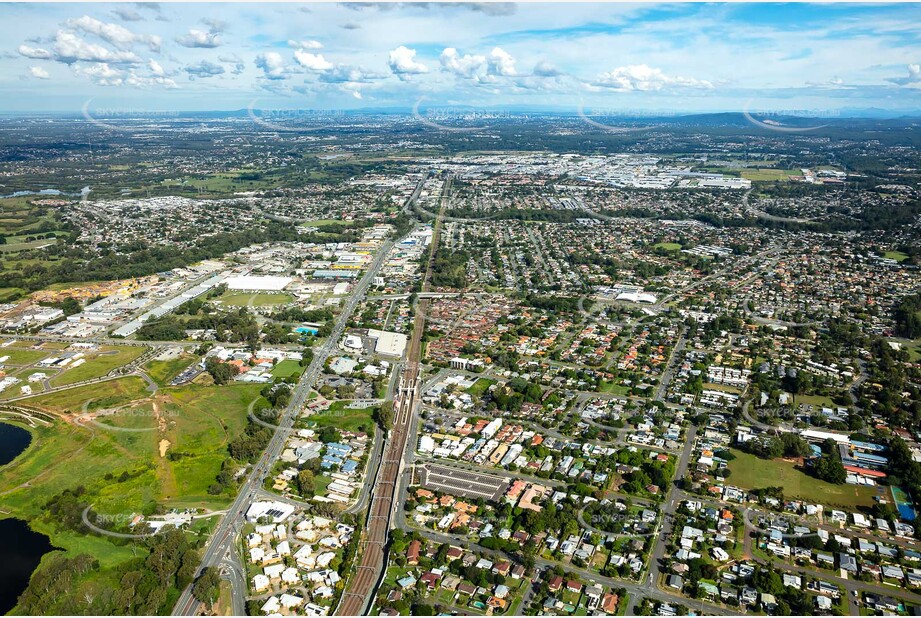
[220, 550]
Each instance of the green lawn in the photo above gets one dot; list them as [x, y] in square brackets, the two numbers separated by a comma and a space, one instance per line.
[751, 472]
[480, 386]
[246, 299]
[348, 419]
[898, 256]
[815, 400]
[286, 368]
[21, 356]
[668, 246]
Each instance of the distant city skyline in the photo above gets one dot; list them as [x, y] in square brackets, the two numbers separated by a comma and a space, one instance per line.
[621, 58]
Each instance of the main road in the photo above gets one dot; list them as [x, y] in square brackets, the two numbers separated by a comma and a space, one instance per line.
[220, 548]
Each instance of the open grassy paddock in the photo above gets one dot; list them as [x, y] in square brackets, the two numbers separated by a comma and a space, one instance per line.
[751, 472]
[258, 299]
[769, 174]
[98, 363]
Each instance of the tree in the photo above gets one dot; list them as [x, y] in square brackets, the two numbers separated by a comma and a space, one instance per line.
[829, 467]
[207, 586]
[221, 372]
[329, 434]
[305, 483]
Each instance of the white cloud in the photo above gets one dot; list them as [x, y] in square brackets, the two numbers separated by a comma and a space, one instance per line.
[127, 14]
[236, 61]
[200, 38]
[546, 69]
[501, 62]
[312, 62]
[914, 75]
[343, 73]
[117, 35]
[101, 73]
[140, 81]
[468, 66]
[39, 72]
[272, 65]
[643, 78]
[305, 44]
[156, 68]
[204, 69]
[403, 62]
[35, 52]
[69, 48]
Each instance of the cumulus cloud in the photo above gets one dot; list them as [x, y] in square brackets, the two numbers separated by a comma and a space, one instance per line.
[643, 78]
[501, 62]
[204, 69]
[306, 44]
[272, 65]
[116, 35]
[312, 62]
[126, 14]
[36, 53]
[69, 48]
[39, 73]
[343, 73]
[487, 8]
[215, 25]
[468, 66]
[142, 81]
[200, 38]
[100, 73]
[913, 77]
[403, 62]
[236, 61]
[156, 68]
[546, 69]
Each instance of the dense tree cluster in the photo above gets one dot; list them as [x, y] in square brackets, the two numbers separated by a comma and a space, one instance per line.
[144, 585]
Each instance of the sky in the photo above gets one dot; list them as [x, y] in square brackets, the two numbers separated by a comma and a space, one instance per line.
[609, 58]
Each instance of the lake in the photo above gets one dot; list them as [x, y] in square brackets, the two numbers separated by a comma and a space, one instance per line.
[20, 552]
[13, 441]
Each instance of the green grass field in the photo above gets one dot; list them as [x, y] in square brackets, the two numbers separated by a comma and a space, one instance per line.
[751, 472]
[769, 175]
[480, 387]
[898, 256]
[246, 299]
[162, 372]
[668, 246]
[124, 472]
[21, 356]
[286, 368]
[341, 417]
[98, 364]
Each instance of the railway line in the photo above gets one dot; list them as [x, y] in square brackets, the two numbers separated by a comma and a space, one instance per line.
[372, 551]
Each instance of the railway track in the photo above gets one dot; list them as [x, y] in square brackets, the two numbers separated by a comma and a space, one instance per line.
[359, 591]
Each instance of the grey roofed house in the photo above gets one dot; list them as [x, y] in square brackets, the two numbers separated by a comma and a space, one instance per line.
[676, 582]
[847, 562]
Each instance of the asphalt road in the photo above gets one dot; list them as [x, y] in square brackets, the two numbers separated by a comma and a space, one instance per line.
[220, 548]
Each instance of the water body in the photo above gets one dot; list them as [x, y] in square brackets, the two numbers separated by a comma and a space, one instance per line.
[13, 441]
[20, 552]
[48, 192]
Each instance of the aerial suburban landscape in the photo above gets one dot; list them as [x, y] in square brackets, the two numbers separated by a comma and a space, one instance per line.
[460, 309]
